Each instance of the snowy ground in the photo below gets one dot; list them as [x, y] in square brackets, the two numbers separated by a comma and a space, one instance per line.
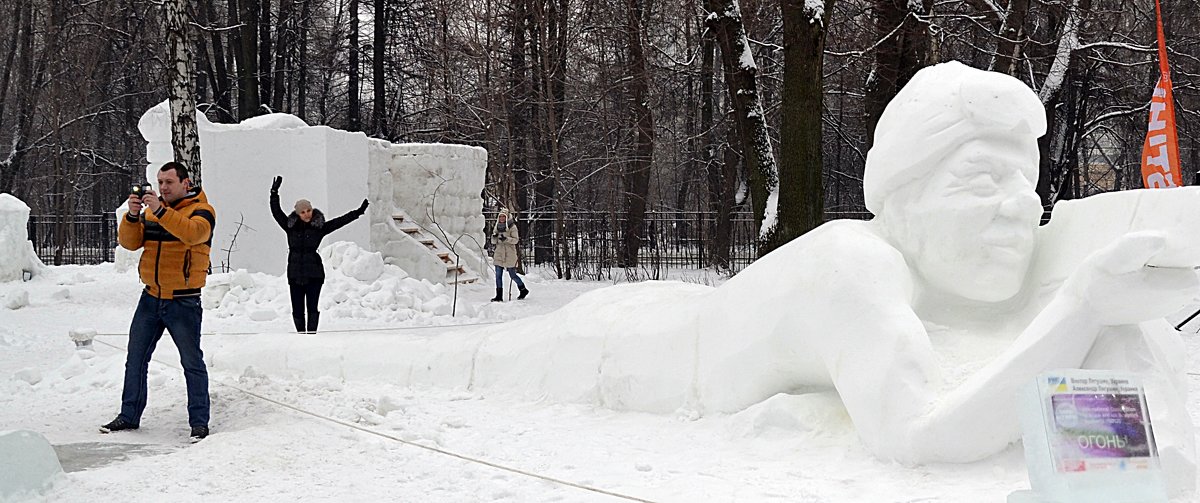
[261, 450]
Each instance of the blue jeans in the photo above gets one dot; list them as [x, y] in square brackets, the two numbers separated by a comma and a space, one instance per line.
[181, 317]
[512, 273]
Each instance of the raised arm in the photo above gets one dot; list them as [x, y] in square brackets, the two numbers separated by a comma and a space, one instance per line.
[276, 211]
[350, 216]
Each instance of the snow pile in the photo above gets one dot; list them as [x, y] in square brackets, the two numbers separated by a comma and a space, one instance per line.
[270, 121]
[16, 300]
[125, 260]
[27, 463]
[358, 285]
[16, 251]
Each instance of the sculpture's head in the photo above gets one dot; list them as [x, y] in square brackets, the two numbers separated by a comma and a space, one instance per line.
[951, 177]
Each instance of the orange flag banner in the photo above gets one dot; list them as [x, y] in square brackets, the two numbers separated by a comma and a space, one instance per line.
[1160, 151]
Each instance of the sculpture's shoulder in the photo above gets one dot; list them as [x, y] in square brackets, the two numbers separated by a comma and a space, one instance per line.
[848, 244]
[838, 255]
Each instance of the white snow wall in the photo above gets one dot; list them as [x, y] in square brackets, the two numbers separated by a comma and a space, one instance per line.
[333, 169]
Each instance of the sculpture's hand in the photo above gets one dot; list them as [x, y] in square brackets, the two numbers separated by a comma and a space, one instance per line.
[1119, 285]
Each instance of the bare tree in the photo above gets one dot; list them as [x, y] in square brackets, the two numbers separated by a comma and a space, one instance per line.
[249, 98]
[801, 194]
[637, 171]
[741, 75]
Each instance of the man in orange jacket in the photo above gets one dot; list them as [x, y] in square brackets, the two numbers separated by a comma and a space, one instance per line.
[175, 232]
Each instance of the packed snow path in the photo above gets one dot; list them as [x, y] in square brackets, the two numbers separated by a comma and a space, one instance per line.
[392, 437]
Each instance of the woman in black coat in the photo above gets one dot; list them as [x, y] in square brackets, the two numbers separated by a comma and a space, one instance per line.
[305, 229]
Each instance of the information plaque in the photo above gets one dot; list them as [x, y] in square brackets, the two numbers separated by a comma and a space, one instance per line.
[1088, 437]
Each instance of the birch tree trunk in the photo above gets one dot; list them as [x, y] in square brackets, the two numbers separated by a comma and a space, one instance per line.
[185, 140]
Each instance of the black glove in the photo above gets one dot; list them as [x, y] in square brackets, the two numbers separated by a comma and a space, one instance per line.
[363, 208]
[500, 237]
[275, 184]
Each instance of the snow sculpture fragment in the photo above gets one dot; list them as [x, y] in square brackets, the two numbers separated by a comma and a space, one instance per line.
[17, 257]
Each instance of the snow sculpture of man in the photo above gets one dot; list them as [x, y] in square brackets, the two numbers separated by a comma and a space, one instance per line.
[947, 264]
[925, 321]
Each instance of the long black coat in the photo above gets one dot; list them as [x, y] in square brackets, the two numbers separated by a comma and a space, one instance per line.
[304, 264]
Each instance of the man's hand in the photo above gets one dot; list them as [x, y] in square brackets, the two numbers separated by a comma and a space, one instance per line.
[1118, 286]
[135, 205]
[275, 184]
[151, 201]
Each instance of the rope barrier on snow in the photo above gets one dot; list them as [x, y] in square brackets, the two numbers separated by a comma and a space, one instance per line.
[407, 442]
[347, 330]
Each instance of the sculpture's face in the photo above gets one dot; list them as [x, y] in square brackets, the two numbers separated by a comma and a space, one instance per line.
[968, 229]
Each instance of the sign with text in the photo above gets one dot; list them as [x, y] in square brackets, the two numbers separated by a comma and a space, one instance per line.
[1088, 437]
[1098, 423]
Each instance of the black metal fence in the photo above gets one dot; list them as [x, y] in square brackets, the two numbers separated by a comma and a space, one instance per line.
[76, 239]
[593, 246]
[594, 242]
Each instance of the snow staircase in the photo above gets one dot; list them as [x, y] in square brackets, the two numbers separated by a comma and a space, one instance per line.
[454, 273]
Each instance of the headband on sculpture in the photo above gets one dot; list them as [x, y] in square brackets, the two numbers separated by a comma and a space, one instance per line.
[940, 109]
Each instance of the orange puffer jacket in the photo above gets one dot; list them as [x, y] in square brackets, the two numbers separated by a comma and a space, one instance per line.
[177, 240]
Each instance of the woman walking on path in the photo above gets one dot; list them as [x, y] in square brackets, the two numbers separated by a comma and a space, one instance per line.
[305, 229]
[505, 238]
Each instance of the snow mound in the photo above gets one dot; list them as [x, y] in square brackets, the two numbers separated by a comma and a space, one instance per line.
[814, 413]
[353, 261]
[27, 463]
[358, 286]
[273, 121]
[16, 300]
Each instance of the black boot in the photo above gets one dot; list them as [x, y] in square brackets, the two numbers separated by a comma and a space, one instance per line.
[299, 320]
[499, 295]
[313, 318]
[524, 293]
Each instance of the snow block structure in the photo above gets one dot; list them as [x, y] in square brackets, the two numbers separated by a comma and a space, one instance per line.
[426, 212]
[16, 251]
[27, 464]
